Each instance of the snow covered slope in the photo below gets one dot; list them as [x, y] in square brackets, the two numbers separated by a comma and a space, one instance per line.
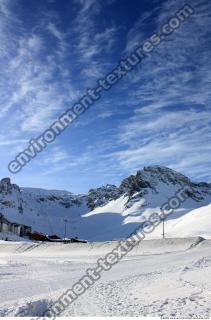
[195, 222]
[160, 278]
[111, 212]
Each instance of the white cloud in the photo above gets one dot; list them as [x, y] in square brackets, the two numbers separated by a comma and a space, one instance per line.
[55, 31]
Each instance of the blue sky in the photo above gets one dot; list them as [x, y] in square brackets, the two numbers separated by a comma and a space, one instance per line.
[51, 51]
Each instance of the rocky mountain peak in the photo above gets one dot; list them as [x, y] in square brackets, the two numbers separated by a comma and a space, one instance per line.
[156, 174]
[6, 181]
[151, 177]
[6, 186]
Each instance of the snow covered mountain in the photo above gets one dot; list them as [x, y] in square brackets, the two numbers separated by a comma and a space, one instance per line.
[110, 212]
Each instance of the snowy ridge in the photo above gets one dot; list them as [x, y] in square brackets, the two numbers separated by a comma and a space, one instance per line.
[110, 212]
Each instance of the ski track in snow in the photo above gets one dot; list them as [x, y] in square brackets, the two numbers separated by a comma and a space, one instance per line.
[176, 284]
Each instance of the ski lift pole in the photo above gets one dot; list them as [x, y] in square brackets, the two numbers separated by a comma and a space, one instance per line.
[65, 228]
[163, 222]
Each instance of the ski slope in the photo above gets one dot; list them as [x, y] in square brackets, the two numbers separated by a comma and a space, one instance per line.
[119, 223]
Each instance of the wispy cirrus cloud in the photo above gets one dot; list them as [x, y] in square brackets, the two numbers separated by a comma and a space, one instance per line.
[32, 91]
[169, 97]
[92, 41]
